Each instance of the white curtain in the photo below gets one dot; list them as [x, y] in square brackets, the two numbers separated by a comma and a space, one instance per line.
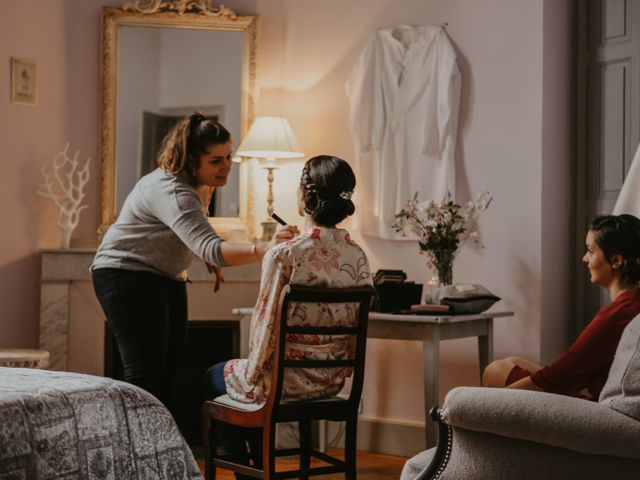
[629, 198]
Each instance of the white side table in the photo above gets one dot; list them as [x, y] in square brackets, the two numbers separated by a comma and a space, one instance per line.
[24, 358]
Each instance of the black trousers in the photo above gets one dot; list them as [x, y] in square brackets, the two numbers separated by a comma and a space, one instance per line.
[147, 314]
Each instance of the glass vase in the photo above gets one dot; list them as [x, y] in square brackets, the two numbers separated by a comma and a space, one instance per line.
[441, 263]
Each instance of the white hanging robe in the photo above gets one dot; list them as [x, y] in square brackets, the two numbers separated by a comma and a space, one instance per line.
[404, 96]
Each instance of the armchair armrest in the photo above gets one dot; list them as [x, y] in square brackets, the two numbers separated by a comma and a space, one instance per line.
[572, 423]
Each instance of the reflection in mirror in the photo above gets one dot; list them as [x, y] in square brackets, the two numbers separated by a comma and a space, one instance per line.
[160, 67]
[165, 74]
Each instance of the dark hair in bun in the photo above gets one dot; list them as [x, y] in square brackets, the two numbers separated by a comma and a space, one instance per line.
[327, 183]
[620, 234]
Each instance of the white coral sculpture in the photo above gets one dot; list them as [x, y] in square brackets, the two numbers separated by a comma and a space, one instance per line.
[64, 181]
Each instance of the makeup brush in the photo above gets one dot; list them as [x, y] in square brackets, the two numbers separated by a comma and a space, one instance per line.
[278, 219]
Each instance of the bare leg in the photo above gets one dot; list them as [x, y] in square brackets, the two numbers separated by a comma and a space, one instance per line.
[524, 363]
[495, 375]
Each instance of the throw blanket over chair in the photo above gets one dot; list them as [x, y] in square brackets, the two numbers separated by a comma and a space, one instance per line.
[490, 433]
[278, 409]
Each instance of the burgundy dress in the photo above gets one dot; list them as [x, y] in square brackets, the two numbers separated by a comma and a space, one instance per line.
[582, 370]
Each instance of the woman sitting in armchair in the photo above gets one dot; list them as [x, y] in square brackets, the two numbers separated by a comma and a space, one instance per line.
[323, 255]
[613, 260]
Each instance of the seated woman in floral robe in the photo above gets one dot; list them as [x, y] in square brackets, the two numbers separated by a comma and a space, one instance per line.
[323, 255]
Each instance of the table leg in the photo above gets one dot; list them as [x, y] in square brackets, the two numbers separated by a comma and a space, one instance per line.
[485, 347]
[431, 352]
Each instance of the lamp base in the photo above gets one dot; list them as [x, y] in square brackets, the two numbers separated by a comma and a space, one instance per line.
[268, 230]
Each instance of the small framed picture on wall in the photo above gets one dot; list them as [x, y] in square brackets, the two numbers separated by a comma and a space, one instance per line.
[23, 81]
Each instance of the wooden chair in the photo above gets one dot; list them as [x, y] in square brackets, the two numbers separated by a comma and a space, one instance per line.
[277, 410]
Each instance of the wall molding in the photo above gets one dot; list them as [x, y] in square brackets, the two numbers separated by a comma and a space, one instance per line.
[378, 435]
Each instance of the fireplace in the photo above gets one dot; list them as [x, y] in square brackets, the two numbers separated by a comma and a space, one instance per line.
[208, 342]
[72, 324]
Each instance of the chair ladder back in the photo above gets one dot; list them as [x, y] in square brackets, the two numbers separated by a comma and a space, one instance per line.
[311, 294]
[303, 412]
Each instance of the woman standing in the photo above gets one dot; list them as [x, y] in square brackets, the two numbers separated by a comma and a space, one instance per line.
[613, 260]
[139, 271]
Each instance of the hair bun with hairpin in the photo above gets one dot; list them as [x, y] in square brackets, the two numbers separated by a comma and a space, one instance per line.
[328, 184]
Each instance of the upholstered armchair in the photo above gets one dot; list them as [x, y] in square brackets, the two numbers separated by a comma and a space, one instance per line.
[505, 434]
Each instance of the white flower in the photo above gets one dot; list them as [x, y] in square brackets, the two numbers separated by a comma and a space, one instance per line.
[442, 226]
[483, 200]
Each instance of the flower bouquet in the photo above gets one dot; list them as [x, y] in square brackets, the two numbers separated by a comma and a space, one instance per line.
[441, 230]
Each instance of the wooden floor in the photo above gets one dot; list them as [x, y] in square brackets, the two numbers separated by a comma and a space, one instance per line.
[371, 466]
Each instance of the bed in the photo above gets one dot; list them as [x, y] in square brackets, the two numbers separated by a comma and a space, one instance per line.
[67, 425]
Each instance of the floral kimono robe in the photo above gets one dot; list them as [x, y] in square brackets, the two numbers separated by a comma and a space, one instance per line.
[318, 257]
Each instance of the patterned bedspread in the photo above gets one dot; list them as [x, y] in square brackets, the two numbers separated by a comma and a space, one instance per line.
[67, 425]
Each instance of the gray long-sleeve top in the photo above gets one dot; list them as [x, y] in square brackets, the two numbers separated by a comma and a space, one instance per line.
[162, 221]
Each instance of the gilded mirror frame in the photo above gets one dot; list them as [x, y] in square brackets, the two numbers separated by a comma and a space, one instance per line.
[112, 19]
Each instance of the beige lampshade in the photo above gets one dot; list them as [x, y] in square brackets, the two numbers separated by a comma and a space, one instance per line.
[270, 138]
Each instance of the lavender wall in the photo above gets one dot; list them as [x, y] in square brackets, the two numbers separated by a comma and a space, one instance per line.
[557, 194]
[29, 136]
[514, 140]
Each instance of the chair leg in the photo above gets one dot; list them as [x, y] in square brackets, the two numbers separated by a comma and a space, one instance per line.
[350, 448]
[268, 451]
[304, 428]
[209, 447]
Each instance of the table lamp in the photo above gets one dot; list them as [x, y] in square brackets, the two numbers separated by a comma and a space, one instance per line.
[270, 138]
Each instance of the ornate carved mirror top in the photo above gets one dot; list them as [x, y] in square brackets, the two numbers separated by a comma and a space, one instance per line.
[162, 60]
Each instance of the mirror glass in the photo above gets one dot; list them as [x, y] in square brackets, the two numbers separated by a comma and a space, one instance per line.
[159, 67]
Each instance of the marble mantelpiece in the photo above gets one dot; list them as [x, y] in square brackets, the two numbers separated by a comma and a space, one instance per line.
[62, 267]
